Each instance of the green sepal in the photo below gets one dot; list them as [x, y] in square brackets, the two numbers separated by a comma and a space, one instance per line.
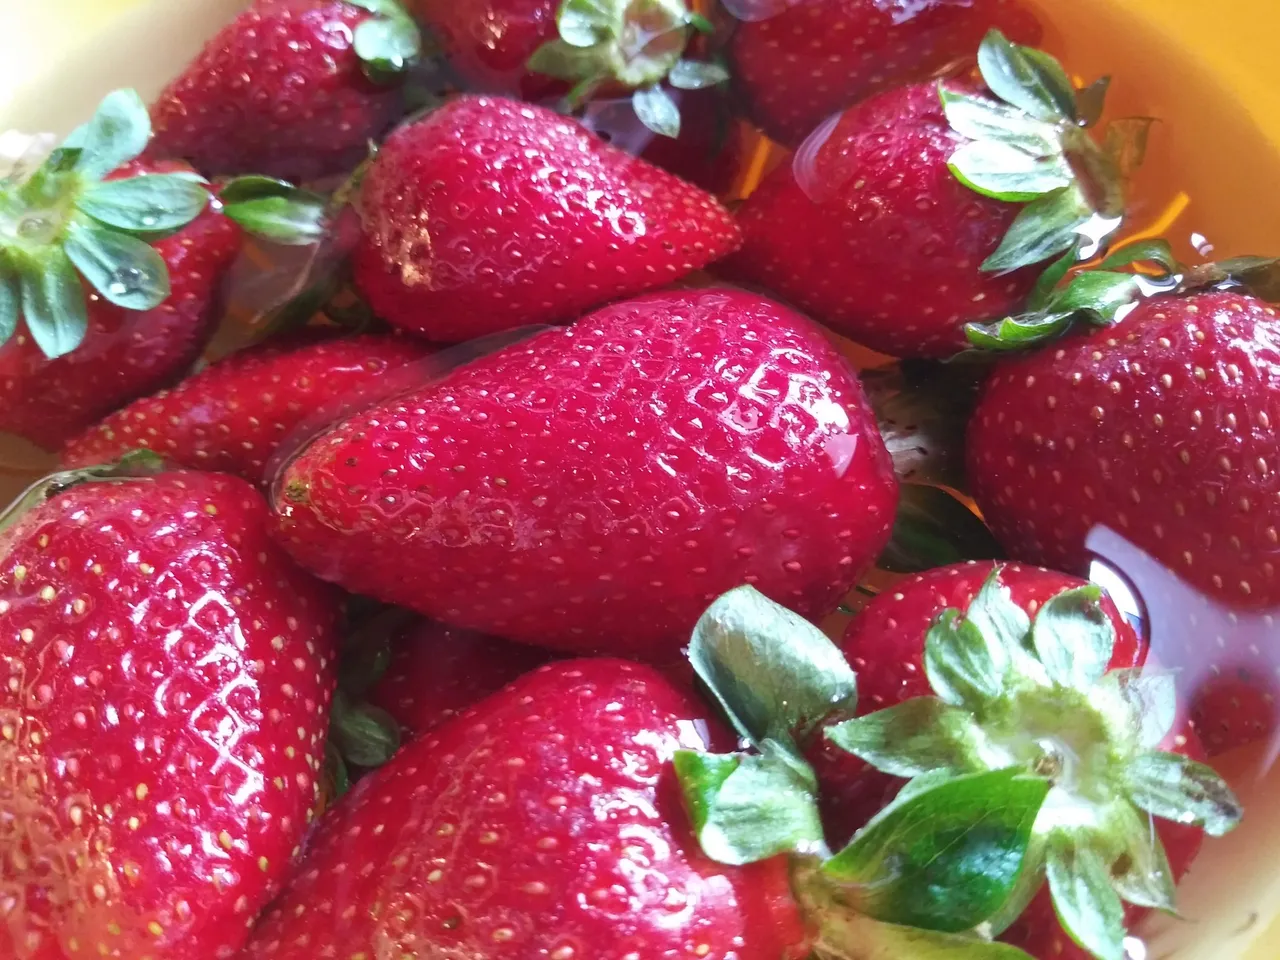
[584, 23]
[1003, 172]
[934, 529]
[1152, 696]
[1025, 889]
[338, 778]
[1178, 788]
[948, 857]
[366, 735]
[1156, 252]
[1000, 620]
[1029, 79]
[852, 936]
[656, 109]
[1046, 286]
[1043, 229]
[1091, 101]
[53, 304]
[1142, 874]
[773, 673]
[10, 304]
[750, 807]
[389, 43]
[1260, 276]
[124, 270]
[1086, 903]
[118, 133]
[1125, 144]
[697, 75]
[963, 667]
[1017, 333]
[275, 210]
[1073, 637]
[910, 739]
[149, 203]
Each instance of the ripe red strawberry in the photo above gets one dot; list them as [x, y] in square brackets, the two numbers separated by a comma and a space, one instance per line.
[489, 42]
[167, 680]
[1163, 428]
[543, 822]
[437, 671]
[795, 64]
[231, 416]
[489, 214]
[124, 352]
[290, 88]
[885, 646]
[982, 665]
[929, 207]
[592, 488]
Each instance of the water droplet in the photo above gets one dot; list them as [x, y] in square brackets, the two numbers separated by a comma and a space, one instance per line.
[33, 226]
[125, 280]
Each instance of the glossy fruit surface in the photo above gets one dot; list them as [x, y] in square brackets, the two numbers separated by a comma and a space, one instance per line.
[168, 674]
[795, 64]
[595, 487]
[280, 91]
[489, 214]
[545, 822]
[125, 353]
[869, 231]
[437, 672]
[488, 42]
[231, 416]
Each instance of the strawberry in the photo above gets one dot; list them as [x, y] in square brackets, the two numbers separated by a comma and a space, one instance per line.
[1161, 427]
[290, 88]
[795, 64]
[542, 822]
[736, 446]
[931, 207]
[112, 267]
[437, 671]
[231, 416]
[1036, 752]
[168, 680]
[885, 646]
[489, 214]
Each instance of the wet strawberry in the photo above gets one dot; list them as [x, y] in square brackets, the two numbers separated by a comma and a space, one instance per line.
[589, 488]
[932, 207]
[1162, 428]
[795, 64]
[231, 416]
[168, 679]
[543, 822]
[290, 88]
[489, 214]
[436, 672]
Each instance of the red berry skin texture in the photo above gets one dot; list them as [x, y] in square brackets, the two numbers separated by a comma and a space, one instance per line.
[279, 91]
[126, 353]
[437, 671]
[545, 822]
[594, 488]
[795, 64]
[231, 416]
[488, 42]
[868, 231]
[490, 214]
[885, 646]
[167, 677]
[1163, 427]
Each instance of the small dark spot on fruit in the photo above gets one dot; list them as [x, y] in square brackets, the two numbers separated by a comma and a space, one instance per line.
[351, 461]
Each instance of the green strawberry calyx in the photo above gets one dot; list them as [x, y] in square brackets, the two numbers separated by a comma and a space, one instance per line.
[920, 879]
[1012, 692]
[131, 466]
[1104, 294]
[388, 43]
[637, 45]
[1028, 142]
[65, 226]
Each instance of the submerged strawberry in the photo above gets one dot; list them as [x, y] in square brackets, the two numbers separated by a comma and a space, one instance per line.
[436, 672]
[543, 822]
[795, 64]
[168, 680]
[110, 271]
[489, 214]
[931, 207]
[1161, 427]
[592, 488]
[290, 88]
[231, 416]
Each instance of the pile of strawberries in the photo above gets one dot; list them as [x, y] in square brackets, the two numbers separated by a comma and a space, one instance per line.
[478, 621]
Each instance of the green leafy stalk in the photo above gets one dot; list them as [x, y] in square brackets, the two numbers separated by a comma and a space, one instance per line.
[389, 43]
[634, 45]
